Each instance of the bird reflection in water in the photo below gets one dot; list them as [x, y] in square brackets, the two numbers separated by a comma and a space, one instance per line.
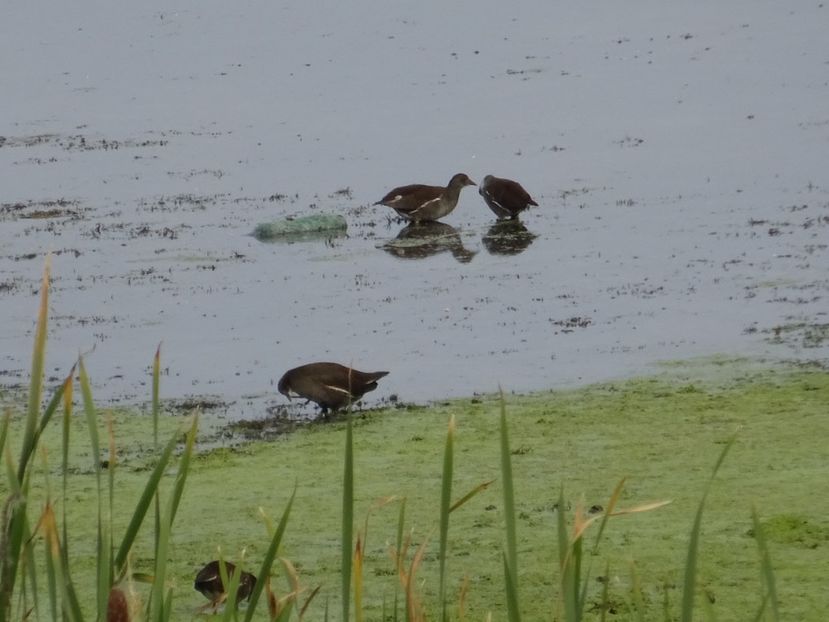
[419, 240]
[508, 237]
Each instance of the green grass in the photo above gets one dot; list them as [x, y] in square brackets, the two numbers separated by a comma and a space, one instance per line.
[662, 435]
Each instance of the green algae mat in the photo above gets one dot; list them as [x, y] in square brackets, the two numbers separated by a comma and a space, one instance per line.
[662, 435]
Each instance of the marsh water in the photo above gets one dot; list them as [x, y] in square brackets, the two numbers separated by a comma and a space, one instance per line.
[678, 155]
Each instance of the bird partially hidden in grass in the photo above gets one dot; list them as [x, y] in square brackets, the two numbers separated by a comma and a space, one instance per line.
[505, 197]
[331, 385]
[209, 583]
[418, 202]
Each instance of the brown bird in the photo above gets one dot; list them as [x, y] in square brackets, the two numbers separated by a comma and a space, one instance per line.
[418, 202]
[209, 582]
[505, 197]
[330, 385]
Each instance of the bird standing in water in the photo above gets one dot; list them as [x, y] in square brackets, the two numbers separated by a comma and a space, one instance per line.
[505, 197]
[418, 202]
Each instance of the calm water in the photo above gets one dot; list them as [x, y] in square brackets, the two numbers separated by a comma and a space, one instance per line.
[680, 168]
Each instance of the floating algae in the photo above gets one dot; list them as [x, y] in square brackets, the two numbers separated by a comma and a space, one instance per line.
[301, 227]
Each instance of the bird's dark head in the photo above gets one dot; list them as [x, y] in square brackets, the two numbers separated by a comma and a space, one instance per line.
[284, 386]
[460, 180]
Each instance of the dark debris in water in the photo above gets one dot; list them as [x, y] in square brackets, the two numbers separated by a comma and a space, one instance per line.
[800, 334]
[187, 405]
[573, 322]
[79, 142]
[43, 209]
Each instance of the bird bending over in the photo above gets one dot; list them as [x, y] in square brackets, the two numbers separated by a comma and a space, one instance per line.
[418, 202]
[330, 385]
[505, 197]
[209, 583]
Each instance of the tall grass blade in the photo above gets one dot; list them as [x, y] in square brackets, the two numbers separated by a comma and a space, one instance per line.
[48, 413]
[113, 461]
[104, 580]
[308, 601]
[4, 429]
[463, 592]
[576, 559]
[156, 402]
[479, 488]
[156, 411]
[611, 506]
[762, 609]
[183, 468]
[509, 498]
[168, 606]
[231, 584]
[445, 499]
[68, 385]
[270, 555]
[161, 608]
[347, 536]
[358, 579]
[143, 504]
[689, 587]
[36, 379]
[765, 565]
[568, 594]
[398, 552]
[70, 608]
[414, 609]
[51, 583]
[293, 579]
[513, 612]
[11, 536]
[91, 419]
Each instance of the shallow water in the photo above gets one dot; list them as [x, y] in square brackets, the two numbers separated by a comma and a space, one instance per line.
[679, 161]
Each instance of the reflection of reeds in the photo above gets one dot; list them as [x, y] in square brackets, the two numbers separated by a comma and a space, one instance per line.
[22, 532]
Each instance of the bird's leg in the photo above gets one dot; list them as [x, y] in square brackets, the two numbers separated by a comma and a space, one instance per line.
[213, 605]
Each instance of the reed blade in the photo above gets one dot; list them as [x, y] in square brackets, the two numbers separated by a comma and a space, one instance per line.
[143, 504]
[513, 613]
[347, 533]
[267, 562]
[445, 499]
[765, 566]
[36, 379]
[689, 585]
[509, 498]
